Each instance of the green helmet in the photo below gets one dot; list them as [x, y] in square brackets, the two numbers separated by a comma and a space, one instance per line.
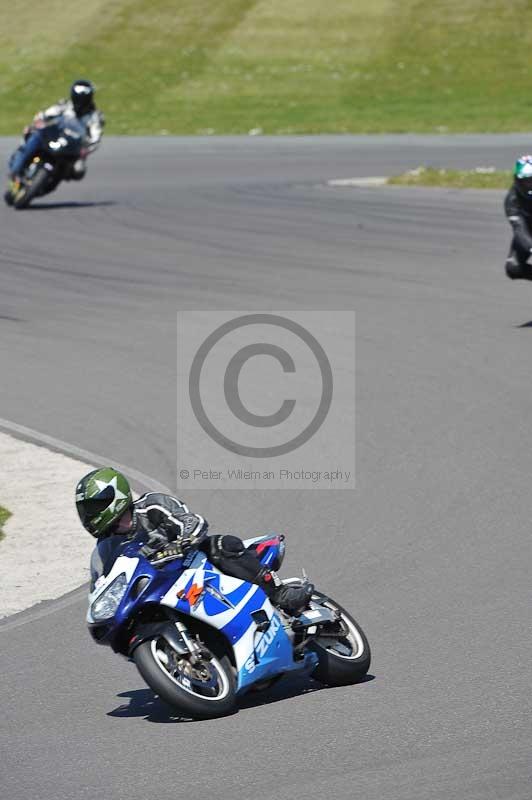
[102, 496]
[523, 177]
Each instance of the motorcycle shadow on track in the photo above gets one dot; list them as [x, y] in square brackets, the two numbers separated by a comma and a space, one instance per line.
[143, 703]
[72, 204]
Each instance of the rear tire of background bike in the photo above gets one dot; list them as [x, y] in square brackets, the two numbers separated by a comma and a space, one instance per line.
[336, 670]
[33, 189]
[185, 703]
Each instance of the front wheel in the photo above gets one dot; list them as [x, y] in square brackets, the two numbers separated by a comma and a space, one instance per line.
[32, 187]
[342, 648]
[201, 690]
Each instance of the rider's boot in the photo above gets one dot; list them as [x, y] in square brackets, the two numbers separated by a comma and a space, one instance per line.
[77, 170]
[293, 599]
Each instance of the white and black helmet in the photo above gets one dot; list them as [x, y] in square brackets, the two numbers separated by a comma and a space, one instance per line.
[82, 96]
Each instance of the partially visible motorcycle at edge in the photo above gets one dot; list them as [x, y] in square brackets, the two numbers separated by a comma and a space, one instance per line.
[200, 638]
[60, 145]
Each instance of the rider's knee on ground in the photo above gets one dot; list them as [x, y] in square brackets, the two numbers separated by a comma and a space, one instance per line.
[222, 548]
[231, 546]
[229, 555]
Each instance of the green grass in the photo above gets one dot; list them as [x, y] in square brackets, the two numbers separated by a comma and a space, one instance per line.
[280, 66]
[479, 178]
[4, 516]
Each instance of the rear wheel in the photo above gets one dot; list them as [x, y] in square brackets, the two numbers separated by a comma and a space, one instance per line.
[200, 689]
[342, 648]
[8, 197]
[31, 188]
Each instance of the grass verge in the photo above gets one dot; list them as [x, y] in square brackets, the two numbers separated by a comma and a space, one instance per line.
[479, 178]
[4, 516]
[274, 66]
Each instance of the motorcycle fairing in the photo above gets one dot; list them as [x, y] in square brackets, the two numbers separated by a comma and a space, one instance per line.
[190, 594]
[128, 566]
[203, 592]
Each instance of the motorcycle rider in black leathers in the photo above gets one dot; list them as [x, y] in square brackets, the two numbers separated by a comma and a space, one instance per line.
[518, 208]
[167, 529]
[80, 107]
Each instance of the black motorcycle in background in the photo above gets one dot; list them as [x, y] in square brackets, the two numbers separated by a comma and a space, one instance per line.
[60, 145]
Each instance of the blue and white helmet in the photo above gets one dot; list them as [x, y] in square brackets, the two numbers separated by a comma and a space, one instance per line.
[523, 176]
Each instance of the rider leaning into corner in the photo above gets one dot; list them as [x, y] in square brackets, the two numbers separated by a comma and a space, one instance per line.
[80, 107]
[518, 208]
[166, 529]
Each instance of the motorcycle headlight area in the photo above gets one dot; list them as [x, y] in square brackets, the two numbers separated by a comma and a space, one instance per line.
[58, 144]
[106, 604]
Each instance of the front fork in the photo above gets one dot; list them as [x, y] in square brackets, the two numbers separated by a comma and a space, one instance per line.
[197, 653]
[175, 633]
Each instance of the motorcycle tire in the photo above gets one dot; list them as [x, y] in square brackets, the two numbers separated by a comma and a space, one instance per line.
[176, 688]
[8, 197]
[33, 188]
[345, 660]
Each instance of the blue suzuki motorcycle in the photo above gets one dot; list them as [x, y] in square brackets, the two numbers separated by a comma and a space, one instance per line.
[200, 638]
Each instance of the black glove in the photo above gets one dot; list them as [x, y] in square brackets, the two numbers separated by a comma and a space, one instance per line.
[167, 553]
[160, 555]
[158, 548]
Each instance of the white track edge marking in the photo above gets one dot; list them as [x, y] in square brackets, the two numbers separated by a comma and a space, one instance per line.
[49, 606]
[83, 455]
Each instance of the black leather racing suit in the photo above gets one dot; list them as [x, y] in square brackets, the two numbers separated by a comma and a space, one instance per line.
[519, 213]
[92, 123]
[158, 520]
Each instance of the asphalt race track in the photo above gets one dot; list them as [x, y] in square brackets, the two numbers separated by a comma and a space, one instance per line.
[432, 551]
